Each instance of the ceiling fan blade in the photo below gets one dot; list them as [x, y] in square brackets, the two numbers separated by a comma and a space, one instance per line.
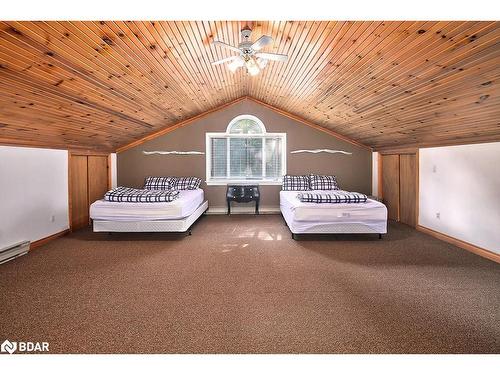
[272, 56]
[222, 61]
[225, 45]
[260, 43]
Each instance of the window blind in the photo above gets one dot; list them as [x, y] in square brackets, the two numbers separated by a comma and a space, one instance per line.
[245, 157]
[245, 152]
[219, 157]
[273, 157]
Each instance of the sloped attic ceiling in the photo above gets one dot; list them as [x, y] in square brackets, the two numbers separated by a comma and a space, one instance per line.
[384, 84]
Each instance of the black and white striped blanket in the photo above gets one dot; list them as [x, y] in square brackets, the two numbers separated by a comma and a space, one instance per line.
[337, 196]
[125, 194]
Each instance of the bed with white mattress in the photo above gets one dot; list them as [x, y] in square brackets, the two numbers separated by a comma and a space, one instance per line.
[175, 216]
[315, 218]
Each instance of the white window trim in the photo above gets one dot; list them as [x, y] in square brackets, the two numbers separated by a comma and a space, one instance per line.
[227, 181]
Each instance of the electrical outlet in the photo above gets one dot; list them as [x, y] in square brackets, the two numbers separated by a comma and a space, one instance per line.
[438, 215]
[434, 169]
[53, 218]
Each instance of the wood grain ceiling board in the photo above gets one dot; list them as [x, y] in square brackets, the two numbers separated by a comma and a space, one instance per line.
[105, 84]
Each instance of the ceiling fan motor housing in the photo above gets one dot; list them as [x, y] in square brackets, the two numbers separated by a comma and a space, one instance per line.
[245, 34]
[246, 44]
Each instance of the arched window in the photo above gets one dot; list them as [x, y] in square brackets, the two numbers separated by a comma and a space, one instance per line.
[246, 124]
[245, 153]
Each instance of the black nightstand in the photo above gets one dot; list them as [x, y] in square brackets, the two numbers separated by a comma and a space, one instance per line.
[243, 194]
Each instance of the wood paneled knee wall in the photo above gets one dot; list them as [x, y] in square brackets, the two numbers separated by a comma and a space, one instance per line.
[400, 186]
[89, 179]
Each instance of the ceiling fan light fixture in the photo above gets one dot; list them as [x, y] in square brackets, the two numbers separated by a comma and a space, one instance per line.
[252, 67]
[254, 71]
[233, 66]
[249, 53]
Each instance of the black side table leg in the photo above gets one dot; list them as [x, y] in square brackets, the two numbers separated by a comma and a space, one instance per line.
[257, 206]
[228, 207]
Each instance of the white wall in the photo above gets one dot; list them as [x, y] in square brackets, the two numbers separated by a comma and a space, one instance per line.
[113, 171]
[462, 184]
[375, 176]
[33, 193]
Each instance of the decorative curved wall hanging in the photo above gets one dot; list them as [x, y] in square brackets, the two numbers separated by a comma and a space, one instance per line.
[317, 151]
[173, 153]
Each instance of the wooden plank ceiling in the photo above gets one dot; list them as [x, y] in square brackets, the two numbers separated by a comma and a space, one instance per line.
[384, 84]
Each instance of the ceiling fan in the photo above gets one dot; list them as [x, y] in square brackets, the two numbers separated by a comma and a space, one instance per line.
[248, 53]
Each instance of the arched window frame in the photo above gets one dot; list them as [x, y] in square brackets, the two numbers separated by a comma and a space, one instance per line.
[235, 120]
[226, 138]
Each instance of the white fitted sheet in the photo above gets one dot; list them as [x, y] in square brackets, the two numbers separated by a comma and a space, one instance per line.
[185, 205]
[302, 217]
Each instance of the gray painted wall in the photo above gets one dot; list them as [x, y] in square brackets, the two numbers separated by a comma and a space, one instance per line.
[354, 172]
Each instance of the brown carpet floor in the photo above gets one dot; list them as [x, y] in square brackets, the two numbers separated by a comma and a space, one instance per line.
[240, 284]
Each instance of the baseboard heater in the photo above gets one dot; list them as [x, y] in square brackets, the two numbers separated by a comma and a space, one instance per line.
[14, 251]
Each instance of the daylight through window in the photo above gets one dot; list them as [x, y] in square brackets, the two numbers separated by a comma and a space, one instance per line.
[245, 153]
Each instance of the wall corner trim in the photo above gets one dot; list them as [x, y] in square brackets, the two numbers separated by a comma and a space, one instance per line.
[462, 244]
[176, 126]
[188, 121]
[309, 123]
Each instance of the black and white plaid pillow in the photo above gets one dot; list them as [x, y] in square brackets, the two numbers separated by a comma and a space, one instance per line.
[186, 183]
[334, 197]
[318, 182]
[158, 183]
[125, 194]
[298, 183]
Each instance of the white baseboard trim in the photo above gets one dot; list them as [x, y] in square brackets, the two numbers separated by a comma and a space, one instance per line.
[250, 210]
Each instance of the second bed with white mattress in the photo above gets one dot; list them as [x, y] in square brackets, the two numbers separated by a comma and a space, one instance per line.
[185, 205]
[301, 217]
